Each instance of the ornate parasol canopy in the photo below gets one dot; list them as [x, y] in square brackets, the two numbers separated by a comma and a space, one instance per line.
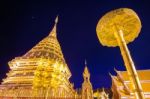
[124, 19]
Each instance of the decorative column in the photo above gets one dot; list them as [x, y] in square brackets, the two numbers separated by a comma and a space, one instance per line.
[132, 73]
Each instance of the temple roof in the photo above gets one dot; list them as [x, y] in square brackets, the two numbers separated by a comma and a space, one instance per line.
[143, 74]
[49, 47]
[126, 84]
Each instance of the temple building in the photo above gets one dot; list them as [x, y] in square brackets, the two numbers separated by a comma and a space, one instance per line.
[122, 87]
[41, 73]
[87, 89]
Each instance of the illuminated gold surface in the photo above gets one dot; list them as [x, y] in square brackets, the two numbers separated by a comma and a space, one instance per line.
[87, 89]
[124, 19]
[101, 94]
[117, 28]
[121, 84]
[41, 72]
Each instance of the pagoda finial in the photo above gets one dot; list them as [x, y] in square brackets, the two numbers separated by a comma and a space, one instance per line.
[56, 20]
[85, 62]
[53, 32]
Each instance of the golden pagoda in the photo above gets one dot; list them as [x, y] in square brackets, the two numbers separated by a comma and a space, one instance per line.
[41, 73]
[87, 89]
[122, 86]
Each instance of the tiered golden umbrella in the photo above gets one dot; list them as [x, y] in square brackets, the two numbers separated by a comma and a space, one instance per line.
[118, 28]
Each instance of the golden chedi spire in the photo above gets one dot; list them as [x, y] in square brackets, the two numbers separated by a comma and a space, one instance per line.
[41, 72]
[49, 47]
[54, 30]
[87, 89]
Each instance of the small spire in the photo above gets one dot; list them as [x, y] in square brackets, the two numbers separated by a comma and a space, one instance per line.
[53, 32]
[56, 20]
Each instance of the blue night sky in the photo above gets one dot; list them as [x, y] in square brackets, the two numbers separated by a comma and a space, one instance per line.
[24, 23]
